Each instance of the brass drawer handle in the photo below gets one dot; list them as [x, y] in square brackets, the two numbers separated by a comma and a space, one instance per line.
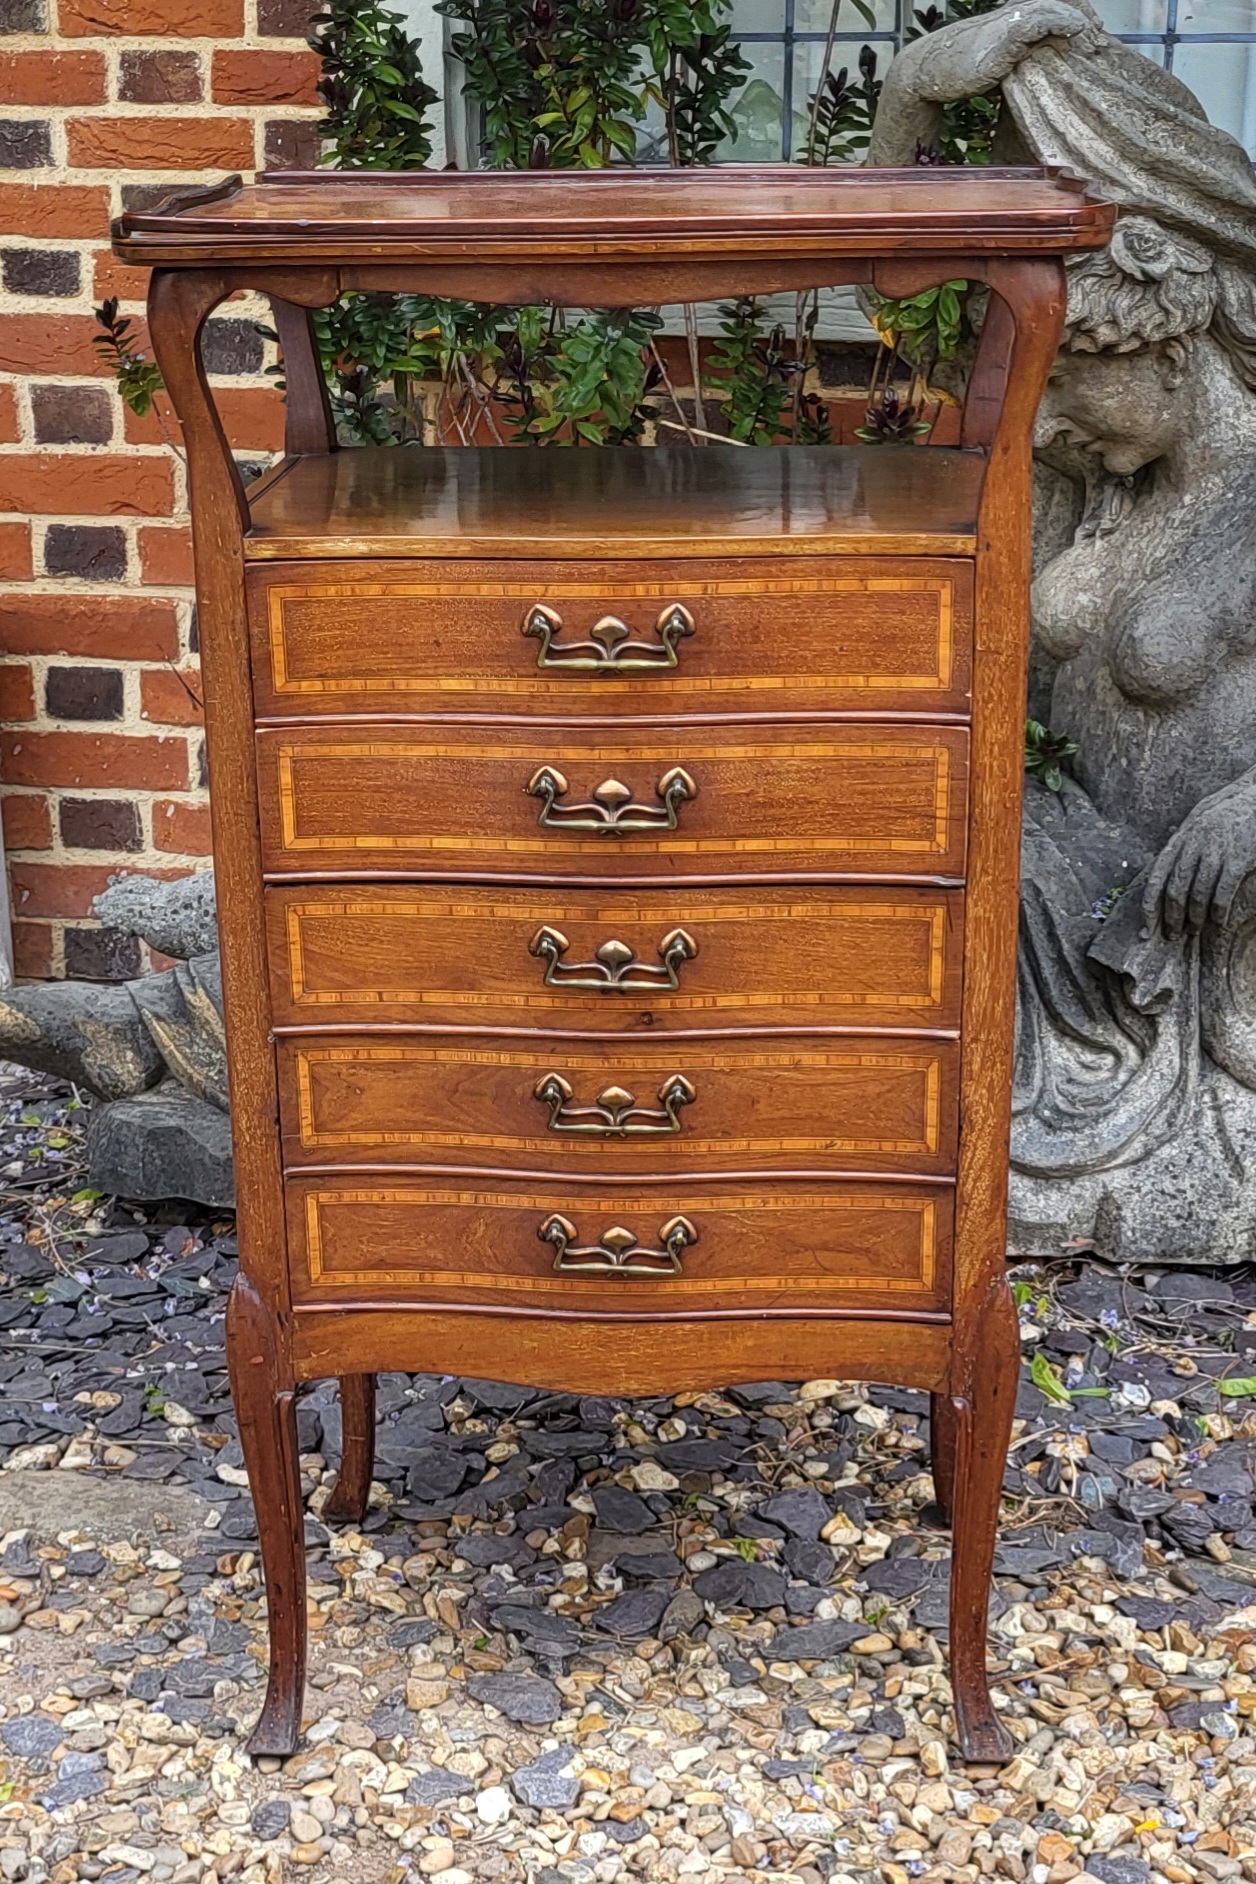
[617, 1251]
[614, 966]
[610, 648]
[614, 1113]
[611, 808]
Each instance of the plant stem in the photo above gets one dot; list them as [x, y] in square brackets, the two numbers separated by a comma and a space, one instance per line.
[818, 93]
[684, 425]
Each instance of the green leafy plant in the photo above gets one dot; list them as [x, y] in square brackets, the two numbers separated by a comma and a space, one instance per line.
[139, 378]
[752, 370]
[558, 81]
[697, 70]
[969, 124]
[924, 328]
[600, 375]
[1045, 753]
[841, 113]
[372, 85]
[1048, 1382]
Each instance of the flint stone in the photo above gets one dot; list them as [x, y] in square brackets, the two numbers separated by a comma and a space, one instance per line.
[1119, 1870]
[271, 1819]
[899, 1577]
[436, 1473]
[546, 1782]
[648, 1566]
[803, 1513]
[32, 1736]
[625, 1834]
[684, 1615]
[734, 1584]
[622, 1511]
[812, 1562]
[698, 1455]
[814, 1641]
[636, 1613]
[528, 1699]
[434, 1788]
[539, 1625]
[484, 1549]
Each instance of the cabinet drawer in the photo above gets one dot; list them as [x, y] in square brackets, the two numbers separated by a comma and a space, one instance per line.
[564, 639]
[550, 802]
[773, 1103]
[552, 1246]
[631, 960]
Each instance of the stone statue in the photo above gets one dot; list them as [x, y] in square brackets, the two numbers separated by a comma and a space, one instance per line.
[152, 1051]
[1135, 1110]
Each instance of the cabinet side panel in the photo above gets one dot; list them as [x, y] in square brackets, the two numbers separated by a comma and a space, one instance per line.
[178, 306]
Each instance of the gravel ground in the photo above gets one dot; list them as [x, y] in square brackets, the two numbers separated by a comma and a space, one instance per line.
[581, 1639]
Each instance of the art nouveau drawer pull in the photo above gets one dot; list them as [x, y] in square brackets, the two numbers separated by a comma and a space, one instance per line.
[610, 648]
[611, 807]
[617, 1251]
[614, 965]
[614, 1113]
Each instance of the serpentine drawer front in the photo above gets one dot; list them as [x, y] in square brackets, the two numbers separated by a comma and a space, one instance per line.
[617, 849]
[632, 638]
[546, 801]
[592, 961]
[553, 1246]
[772, 1102]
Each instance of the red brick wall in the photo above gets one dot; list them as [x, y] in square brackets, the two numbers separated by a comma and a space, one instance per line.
[105, 105]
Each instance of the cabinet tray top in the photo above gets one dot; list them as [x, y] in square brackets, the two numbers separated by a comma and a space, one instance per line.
[309, 217]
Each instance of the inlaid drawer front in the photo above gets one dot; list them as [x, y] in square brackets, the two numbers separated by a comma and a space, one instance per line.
[543, 1246]
[632, 637]
[632, 960]
[546, 801]
[773, 1103]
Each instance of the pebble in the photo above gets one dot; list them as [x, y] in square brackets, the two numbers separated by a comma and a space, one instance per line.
[493, 1806]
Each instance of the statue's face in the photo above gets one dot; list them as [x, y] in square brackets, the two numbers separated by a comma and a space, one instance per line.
[1127, 408]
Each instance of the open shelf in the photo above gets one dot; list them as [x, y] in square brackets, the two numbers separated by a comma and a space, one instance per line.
[884, 500]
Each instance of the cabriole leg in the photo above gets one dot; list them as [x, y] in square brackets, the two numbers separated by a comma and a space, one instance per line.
[982, 1429]
[266, 1409]
[352, 1489]
[942, 1454]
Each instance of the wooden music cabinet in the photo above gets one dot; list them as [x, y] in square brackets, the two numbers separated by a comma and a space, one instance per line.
[617, 849]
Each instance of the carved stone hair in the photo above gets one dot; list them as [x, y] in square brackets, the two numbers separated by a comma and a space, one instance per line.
[1149, 284]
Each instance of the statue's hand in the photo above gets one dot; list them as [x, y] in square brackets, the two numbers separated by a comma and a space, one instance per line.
[976, 55]
[1199, 873]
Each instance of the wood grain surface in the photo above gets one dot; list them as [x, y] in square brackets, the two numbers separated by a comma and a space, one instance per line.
[732, 209]
[768, 1103]
[832, 799]
[763, 1248]
[626, 1353]
[668, 501]
[829, 635]
[406, 955]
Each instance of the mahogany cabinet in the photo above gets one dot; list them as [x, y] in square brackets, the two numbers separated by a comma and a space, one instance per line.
[617, 849]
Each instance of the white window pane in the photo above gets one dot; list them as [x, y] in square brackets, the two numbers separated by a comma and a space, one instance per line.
[813, 16]
[1223, 78]
[758, 112]
[1134, 16]
[1217, 16]
[758, 16]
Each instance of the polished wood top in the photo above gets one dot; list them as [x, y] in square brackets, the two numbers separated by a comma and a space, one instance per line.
[667, 500]
[325, 217]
